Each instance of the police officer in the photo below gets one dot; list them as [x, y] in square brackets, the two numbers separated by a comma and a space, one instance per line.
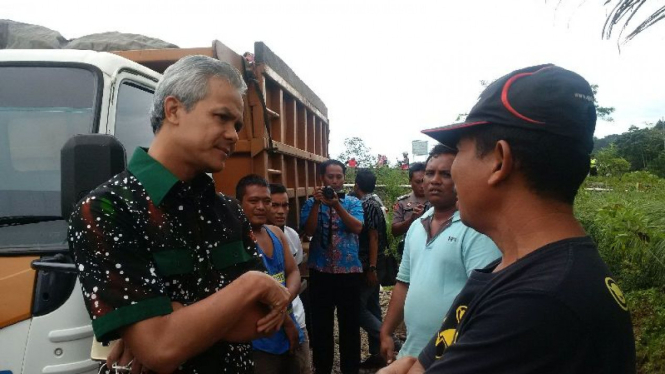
[593, 170]
[410, 206]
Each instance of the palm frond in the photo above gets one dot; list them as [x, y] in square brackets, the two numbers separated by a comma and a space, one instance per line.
[655, 17]
[623, 13]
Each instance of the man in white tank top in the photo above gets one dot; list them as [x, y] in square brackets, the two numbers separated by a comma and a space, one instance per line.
[277, 216]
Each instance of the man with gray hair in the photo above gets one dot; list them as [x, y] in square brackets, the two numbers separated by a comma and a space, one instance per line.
[166, 263]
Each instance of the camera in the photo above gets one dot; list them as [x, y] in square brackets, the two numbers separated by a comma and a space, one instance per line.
[328, 192]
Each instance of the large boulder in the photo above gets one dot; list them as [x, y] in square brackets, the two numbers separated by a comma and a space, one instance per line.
[18, 35]
[117, 41]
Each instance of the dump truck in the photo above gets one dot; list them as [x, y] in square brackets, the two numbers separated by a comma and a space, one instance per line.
[47, 99]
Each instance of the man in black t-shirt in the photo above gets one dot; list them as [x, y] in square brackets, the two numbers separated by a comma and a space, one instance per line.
[549, 305]
[372, 243]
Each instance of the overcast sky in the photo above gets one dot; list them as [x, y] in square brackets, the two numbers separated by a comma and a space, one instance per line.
[388, 69]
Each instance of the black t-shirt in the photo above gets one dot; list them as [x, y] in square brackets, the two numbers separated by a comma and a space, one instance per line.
[557, 310]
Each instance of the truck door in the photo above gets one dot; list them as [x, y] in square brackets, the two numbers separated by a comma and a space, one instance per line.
[130, 122]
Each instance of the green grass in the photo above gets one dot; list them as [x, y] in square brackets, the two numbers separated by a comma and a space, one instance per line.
[390, 185]
[627, 221]
[648, 312]
[628, 224]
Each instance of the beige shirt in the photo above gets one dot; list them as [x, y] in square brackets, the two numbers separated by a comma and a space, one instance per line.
[403, 208]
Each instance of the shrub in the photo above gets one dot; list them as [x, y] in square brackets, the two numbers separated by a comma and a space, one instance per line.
[610, 163]
[391, 183]
[647, 309]
[614, 167]
[628, 224]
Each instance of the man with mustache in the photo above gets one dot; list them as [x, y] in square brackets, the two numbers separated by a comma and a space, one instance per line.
[166, 263]
[439, 254]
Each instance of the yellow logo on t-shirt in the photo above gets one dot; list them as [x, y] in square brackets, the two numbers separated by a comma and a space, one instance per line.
[279, 277]
[459, 313]
[618, 296]
[448, 337]
[444, 340]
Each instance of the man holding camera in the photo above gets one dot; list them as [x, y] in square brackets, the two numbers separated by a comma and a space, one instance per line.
[334, 222]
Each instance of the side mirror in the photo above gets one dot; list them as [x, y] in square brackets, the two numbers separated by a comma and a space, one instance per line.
[86, 161]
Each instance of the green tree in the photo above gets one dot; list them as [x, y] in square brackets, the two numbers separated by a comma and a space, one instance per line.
[659, 129]
[355, 147]
[610, 163]
[640, 146]
[600, 143]
[657, 165]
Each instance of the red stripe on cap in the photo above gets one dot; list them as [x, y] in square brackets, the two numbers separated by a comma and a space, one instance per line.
[504, 96]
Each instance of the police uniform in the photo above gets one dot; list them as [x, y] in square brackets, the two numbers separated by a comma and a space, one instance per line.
[403, 210]
[593, 169]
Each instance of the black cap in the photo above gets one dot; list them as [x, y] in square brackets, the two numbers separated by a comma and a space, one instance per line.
[540, 98]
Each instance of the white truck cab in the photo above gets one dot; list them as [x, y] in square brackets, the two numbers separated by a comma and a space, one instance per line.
[47, 97]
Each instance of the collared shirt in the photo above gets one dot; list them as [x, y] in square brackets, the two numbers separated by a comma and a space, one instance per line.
[334, 249]
[403, 208]
[144, 239]
[436, 270]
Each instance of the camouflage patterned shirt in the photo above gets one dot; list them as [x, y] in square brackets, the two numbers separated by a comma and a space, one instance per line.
[144, 239]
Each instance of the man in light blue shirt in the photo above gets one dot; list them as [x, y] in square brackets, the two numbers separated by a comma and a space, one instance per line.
[439, 254]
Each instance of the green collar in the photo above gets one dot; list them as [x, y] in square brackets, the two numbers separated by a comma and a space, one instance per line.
[154, 177]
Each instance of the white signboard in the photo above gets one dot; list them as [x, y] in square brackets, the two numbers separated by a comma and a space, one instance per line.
[419, 147]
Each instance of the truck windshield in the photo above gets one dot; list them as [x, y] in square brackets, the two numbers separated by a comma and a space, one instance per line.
[41, 107]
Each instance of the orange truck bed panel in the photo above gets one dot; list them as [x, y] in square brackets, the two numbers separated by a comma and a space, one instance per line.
[17, 283]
